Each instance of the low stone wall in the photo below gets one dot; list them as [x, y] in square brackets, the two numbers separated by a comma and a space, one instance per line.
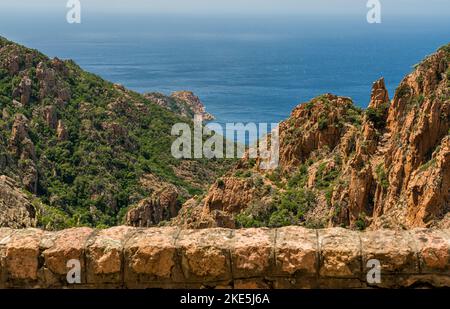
[291, 257]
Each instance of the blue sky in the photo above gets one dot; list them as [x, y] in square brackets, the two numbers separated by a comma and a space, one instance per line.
[250, 7]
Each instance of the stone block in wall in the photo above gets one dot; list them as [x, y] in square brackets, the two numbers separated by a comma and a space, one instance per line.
[433, 248]
[340, 254]
[5, 238]
[104, 256]
[22, 258]
[396, 252]
[58, 249]
[167, 257]
[205, 254]
[151, 259]
[296, 256]
[252, 253]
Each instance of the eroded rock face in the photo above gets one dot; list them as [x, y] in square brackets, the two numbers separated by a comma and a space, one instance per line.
[379, 95]
[360, 175]
[226, 194]
[400, 168]
[161, 206]
[16, 210]
[313, 129]
[21, 147]
[49, 84]
[386, 177]
[383, 167]
[427, 193]
[49, 115]
[312, 126]
[412, 145]
[23, 90]
[61, 131]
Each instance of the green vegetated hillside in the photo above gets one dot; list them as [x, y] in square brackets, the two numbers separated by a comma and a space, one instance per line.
[81, 145]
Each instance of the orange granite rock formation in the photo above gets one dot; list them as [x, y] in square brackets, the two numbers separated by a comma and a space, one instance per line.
[385, 167]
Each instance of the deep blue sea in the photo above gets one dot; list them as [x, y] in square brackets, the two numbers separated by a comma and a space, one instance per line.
[244, 69]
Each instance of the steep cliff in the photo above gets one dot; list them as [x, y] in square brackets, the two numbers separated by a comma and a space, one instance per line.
[387, 166]
[400, 174]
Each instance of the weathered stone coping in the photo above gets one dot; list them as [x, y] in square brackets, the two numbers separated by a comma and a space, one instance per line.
[168, 257]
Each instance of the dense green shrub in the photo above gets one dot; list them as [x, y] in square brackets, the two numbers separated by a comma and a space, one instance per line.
[378, 115]
[323, 122]
[382, 177]
[325, 178]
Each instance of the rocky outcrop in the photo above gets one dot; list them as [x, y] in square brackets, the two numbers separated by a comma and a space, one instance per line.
[402, 143]
[184, 103]
[386, 166]
[379, 95]
[193, 103]
[316, 125]
[49, 115]
[290, 257]
[161, 206]
[47, 79]
[427, 192]
[223, 195]
[61, 131]
[10, 61]
[50, 84]
[311, 133]
[21, 147]
[360, 175]
[228, 196]
[23, 91]
[13, 60]
[16, 210]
